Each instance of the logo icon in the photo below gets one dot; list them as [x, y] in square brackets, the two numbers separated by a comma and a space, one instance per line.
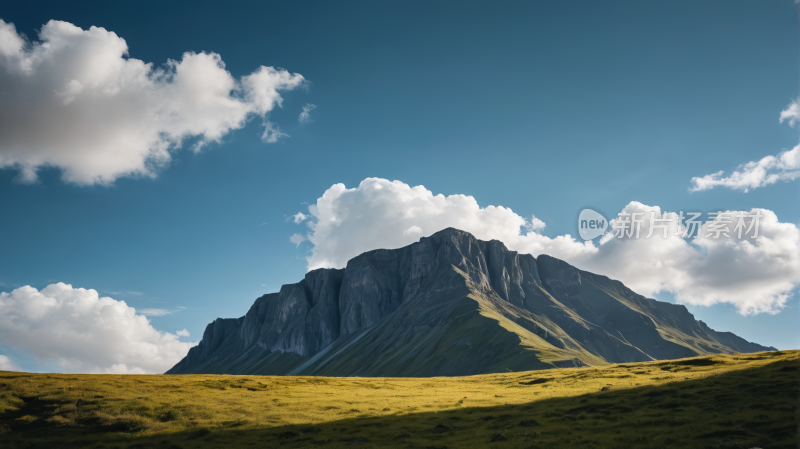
[591, 224]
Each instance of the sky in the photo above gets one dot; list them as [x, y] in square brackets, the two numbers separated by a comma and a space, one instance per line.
[174, 188]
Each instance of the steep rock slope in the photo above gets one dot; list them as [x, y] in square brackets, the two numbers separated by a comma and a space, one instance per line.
[450, 305]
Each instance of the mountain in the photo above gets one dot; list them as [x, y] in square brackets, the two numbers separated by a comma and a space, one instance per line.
[450, 305]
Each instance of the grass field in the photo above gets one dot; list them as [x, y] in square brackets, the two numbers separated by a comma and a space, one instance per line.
[724, 401]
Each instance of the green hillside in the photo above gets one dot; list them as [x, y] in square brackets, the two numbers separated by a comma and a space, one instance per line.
[722, 401]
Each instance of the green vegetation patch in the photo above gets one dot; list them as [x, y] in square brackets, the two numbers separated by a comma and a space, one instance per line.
[723, 401]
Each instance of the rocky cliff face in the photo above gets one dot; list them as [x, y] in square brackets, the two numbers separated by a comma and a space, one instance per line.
[449, 305]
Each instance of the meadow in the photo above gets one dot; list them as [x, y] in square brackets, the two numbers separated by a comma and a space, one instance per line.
[721, 401]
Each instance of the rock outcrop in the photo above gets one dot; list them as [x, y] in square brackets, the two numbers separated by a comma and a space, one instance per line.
[450, 305]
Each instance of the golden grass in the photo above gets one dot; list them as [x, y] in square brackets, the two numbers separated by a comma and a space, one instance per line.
[740, 400]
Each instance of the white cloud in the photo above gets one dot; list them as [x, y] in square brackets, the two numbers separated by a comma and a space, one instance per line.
[132, 293]
[299, 217]
[305, 116]
[791, 113]
[534, 225]
[85, 332]
[413, 230]
[76, 101]
[297, 239]
[347, 222]
[768, 170]
[755, 275]
[154, 312]
[7, 364]
[272, 132]
[182, 333]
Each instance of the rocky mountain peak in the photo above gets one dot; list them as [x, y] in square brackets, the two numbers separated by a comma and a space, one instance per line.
[387, 307]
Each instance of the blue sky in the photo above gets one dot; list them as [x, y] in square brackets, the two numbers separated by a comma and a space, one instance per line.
[541, 107]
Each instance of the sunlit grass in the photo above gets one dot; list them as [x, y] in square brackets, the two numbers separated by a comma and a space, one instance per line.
[721, 401]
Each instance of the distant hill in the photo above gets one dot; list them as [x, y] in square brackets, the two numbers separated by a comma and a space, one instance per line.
[451, 305]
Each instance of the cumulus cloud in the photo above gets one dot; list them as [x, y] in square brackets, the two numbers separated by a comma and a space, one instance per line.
[535, 225]
[756, 275]
[768, 170]
[413, 230]
[299, 217]
[305, 116]
[387, 214]
[85, 332]
[182, 333]
[75, 100]
[756, 268]
[7, 364]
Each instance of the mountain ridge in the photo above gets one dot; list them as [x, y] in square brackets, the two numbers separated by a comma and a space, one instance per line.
[450, 304]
